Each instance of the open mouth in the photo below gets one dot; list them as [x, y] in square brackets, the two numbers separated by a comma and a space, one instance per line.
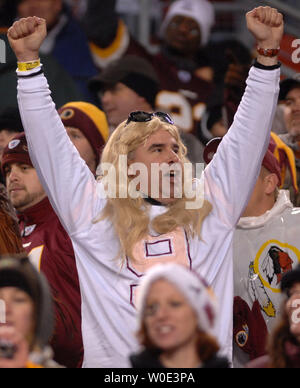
[164, 330]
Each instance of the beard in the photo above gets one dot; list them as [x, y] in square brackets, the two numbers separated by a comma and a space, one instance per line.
[24, 200]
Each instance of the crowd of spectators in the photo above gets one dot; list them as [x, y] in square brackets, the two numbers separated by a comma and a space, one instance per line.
[60, 244]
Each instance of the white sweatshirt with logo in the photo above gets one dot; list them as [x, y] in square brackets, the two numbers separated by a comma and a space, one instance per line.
[264, 248]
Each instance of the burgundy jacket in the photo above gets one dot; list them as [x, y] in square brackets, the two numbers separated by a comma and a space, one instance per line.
[51, 251]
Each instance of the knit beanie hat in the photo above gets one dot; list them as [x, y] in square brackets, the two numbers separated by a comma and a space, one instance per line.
[90, 120]
[290, 278]
[286, 159]
[16, 151]
[10, 119]
[20, 273]
[277, 157]
[135, 72]
[287, 85]
[202, 11]
[190, 284]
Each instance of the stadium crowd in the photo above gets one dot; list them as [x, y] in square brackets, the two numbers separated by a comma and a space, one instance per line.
[149, 202]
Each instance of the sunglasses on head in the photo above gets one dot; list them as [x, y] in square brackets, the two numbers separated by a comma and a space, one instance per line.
[142, 117]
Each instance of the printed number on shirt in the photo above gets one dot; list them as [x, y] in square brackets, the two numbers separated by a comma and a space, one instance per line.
[35, 256]
[183, 113]
[172, 247]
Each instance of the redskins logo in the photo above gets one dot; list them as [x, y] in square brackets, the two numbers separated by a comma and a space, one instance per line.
[67, 114]
[242, 336]
[13, 144]
[273, 259]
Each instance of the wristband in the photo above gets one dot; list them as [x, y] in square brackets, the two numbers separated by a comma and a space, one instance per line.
[268, 52]
[264, 67]
[26, 66]
[41, 71]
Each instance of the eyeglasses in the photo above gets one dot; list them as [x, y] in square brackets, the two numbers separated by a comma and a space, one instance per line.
[142, 117]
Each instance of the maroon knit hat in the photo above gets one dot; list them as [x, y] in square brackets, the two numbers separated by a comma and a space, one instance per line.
[16, 151]
[269, 162]
[90, 120]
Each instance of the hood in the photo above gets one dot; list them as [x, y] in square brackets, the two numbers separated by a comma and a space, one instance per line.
[282, 202]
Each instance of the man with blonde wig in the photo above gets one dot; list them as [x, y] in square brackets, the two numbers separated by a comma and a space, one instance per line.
[117, 238]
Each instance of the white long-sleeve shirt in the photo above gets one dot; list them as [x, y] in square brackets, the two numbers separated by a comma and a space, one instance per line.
[107, 288]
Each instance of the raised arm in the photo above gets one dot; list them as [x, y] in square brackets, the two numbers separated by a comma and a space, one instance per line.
[70, 185]
[232, 174]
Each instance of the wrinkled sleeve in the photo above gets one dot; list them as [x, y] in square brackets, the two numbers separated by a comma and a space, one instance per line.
[231, 175]
[68, 182]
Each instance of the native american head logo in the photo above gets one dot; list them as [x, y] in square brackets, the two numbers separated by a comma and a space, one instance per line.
[276, 263]
[265, 273]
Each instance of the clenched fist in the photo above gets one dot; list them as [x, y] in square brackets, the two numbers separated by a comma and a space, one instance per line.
[266, 24]
[26, 36]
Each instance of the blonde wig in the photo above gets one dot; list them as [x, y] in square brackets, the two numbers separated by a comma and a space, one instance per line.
[130, 216]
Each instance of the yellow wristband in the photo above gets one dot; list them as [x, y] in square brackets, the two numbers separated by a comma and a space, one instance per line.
[25, 66]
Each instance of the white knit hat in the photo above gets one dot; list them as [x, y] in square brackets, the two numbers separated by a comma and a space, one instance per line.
[201, 11]
[190, 284]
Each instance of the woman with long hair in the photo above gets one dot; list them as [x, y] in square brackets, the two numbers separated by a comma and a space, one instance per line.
[177, 315]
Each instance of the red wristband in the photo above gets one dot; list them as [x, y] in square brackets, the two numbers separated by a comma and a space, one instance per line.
[268, 52]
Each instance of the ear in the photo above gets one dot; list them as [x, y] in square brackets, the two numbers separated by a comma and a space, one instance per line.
[271, 182]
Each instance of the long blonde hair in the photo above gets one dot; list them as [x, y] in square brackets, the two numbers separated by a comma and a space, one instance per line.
[129, 216]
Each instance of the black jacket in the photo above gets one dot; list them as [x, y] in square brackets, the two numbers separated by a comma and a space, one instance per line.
[150, 359]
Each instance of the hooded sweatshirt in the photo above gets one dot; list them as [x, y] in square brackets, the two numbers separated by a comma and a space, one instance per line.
[264, 248]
